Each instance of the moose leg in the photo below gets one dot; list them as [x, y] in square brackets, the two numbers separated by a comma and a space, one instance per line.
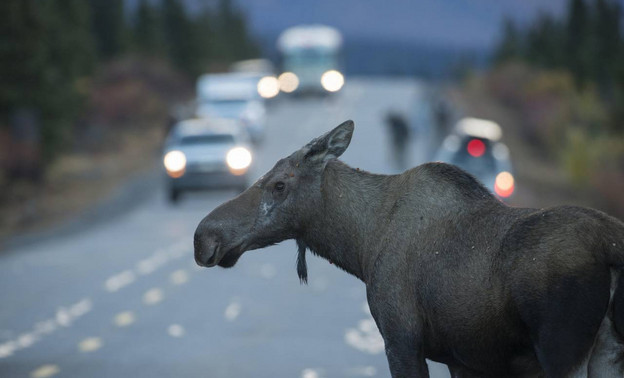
[564, 323]
[457, 372]
[404, 349]
[607, 357]
[405, 357]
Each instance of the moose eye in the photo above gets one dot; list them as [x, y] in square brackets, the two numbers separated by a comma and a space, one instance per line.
[279, 186]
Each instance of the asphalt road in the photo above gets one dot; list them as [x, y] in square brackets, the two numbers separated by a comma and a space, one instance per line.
[125, 298]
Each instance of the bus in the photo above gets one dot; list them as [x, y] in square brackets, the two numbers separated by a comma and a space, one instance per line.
[310, 59]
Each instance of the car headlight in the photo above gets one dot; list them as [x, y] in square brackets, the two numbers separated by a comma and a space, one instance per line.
[288, 82]
[175, 163]
[332, 81]
[238, 159]
[268, 87]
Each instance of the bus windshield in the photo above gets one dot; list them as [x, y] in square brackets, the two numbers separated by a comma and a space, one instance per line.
[296, 59]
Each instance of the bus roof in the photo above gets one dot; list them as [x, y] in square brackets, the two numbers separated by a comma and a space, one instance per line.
[309, 36]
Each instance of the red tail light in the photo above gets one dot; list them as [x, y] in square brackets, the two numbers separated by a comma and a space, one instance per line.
[504, 184]
[476, 147]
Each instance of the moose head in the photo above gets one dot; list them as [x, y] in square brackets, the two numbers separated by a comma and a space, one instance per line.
[275, 208]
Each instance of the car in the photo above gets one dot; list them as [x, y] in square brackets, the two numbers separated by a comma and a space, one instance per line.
[204, 154]
[475, 147]
[236, 95]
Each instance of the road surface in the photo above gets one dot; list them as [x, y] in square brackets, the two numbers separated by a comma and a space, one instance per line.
[125, 298]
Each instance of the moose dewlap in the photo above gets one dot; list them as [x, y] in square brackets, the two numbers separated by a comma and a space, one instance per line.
[451, 273]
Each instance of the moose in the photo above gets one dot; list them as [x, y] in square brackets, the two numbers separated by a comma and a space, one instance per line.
[452, 274]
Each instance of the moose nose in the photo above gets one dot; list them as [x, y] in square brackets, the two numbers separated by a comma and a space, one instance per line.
[205, 249]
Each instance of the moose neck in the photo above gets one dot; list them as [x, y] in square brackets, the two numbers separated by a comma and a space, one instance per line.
[341, 229]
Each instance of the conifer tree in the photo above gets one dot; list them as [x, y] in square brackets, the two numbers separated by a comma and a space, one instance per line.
[109, 27]
[148, 30]
[180, 37]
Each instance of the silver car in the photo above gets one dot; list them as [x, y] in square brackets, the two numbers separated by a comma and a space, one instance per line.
[476, 148]
[206, 153]
[234, 95]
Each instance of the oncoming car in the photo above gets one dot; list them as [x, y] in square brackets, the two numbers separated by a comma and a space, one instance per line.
[203, 154]
[236, 95]
[476, 148]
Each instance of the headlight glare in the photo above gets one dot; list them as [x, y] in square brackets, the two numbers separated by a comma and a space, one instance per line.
[288, 82]
[268, 87]
[332, 81]
[238, 159]
[175, 162]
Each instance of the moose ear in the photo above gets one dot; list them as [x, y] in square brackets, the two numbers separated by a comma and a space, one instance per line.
[331, 144]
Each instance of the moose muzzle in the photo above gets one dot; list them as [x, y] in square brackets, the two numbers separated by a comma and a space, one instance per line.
[206, 249]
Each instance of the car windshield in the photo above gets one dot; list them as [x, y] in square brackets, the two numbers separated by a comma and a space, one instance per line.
[207, 139]
[224, 108]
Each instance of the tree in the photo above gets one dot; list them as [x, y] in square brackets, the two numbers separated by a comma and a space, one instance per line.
[22, 55]
[607, 40]
[148, 30]
[544, 42]
[205, 40]
[69, 62]
[180, 37]
[109, 27]
[233, 40]
[511, 45]
[577, 43]
[46, 55]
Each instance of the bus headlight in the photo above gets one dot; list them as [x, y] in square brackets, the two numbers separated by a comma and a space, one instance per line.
[288, 82]
[175, 163]
[238, 160]
[332, 81]
[268, 87]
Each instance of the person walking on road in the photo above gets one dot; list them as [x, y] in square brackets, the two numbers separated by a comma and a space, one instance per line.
[399, 133]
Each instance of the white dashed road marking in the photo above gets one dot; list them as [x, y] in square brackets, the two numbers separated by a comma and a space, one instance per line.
[124, 319]
[153, 296]
[90, 344]
[118, 281]
[175, 330]
[311, 373]
[268, 271]
[366, 338]
[179, 277]
[45, 371]
[232, 311]
[64, 317]
[362, 371]
[150, 264]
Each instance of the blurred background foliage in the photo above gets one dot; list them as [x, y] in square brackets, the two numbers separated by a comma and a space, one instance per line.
[86, 88]
[564, 76]
[74, 71]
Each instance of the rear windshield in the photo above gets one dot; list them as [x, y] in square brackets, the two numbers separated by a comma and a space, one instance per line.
[207, 139]
[479, 166]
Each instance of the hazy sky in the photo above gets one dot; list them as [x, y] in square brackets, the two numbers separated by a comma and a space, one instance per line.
[464, 23]
[449, 23]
